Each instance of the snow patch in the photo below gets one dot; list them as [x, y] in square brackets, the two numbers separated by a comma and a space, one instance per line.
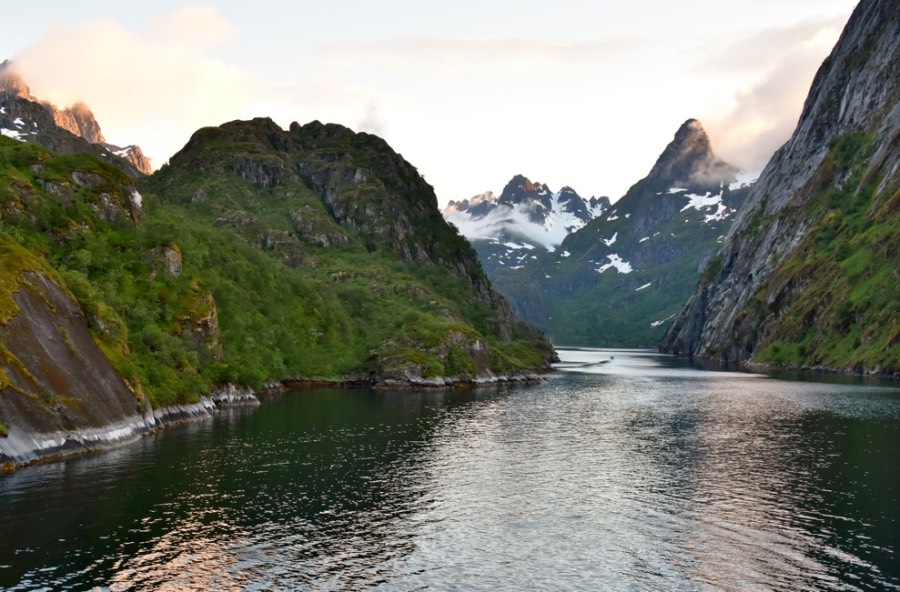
[647, 285]
[676, 190]
[596, 211]
[616, 262]
[658, 323]
[702, 201]
[721, 213]
[744, 179]
[646, 238]
[518, 246]
[565, 254]
[18, 122]
[611, 218]
[609, 242]
[12, 134]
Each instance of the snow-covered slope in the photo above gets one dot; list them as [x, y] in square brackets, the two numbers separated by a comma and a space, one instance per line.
[527, 211]
[527, 218]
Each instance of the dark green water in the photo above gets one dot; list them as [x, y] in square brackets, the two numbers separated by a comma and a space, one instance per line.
[636, 474]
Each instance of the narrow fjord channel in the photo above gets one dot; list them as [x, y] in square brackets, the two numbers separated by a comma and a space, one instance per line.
[636, 473]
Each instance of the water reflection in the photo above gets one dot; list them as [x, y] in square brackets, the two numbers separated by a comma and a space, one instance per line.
[637, 472]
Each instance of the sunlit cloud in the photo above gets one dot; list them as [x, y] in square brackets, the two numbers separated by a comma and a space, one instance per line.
[150, 86]
[780, 64]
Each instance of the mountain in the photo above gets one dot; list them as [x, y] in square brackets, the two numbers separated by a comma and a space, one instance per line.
[505, 229]
[256, 255]
[619, 279]
[810, 273]
[74, 129]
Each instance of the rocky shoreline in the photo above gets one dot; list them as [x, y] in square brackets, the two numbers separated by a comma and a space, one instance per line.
[19, 449]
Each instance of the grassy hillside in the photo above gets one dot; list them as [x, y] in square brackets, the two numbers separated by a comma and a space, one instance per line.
[205, 277]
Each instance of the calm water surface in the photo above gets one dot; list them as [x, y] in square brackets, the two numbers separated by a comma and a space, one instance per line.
[635, 474]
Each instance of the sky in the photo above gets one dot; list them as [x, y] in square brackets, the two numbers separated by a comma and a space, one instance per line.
[585, 93]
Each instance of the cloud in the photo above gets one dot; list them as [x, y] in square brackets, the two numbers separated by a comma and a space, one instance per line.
[762, 48]
[146, 86]
[780, 64]
[440, 55]
[371, 121]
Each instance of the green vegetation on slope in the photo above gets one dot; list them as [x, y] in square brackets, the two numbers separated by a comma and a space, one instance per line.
[846, 312]
[219, 278]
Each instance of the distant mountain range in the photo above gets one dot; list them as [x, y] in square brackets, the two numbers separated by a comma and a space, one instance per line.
[525, 219]
[608, 275]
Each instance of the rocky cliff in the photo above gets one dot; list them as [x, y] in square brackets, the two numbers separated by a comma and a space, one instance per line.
[810, 272]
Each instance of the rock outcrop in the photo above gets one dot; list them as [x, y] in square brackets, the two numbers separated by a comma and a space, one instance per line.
[809, 274]
[60, 395]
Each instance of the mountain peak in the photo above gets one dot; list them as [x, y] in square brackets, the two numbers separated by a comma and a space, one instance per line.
[521, 189]
[520, 183]
[689, 159]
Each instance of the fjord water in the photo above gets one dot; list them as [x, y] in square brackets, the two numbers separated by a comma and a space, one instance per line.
[635, 473]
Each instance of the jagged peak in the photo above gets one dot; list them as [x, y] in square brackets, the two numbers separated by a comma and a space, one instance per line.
[464, 204]
[520, 181]
[689, 159]
[521, 187]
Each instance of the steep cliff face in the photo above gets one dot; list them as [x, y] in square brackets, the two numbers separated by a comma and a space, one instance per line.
[810, 272]
[53, 377]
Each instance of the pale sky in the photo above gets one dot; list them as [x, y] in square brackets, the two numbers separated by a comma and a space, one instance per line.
[584, 93]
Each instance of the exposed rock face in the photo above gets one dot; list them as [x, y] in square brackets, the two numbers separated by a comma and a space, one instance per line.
[133, 154]
[622, 276]
[73, 129]
[54, 377]
[798, 279]
[166, 259]
[689, 160]
[79, 120]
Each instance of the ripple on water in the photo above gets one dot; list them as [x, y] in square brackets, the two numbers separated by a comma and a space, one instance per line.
[632, 474]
